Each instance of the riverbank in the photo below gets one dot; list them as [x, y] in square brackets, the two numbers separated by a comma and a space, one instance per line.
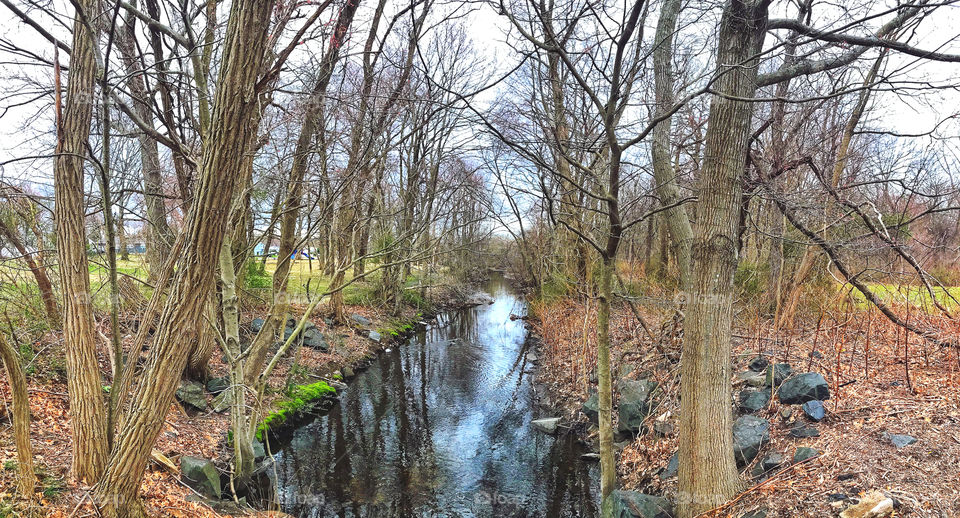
[195, 429]
[873, 398]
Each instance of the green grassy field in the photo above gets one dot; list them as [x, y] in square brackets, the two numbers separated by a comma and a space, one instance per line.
[918, 296]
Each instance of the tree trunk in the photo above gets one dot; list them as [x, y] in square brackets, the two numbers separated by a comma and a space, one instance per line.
[39, 274]
[26, 478]
[87, 411]
[608, 467]
[708, 472]
[230, 137]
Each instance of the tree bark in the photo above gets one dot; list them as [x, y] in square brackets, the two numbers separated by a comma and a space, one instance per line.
[26, 478]
[229, 138]
[39, 274]
[708, 472]
[87, 411]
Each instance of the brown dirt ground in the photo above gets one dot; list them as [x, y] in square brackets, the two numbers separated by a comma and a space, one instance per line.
[924, 478]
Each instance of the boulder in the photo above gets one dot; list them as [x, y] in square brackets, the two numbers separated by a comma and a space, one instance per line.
[803, 431]
[256, 325]
[532, 357]
[751, 401]
[814, 410]
[754, 379]
[672, 467]
[632, 504]
[637, 402]
[777, 374]
[899, 440]
[873, 505]
[591, 408]
[758, 364]
[191, 394]
[804, 453]
[348, 372]
[218, 385]
[200, 474]
[546, 425]
[768, 463]
[805, 387]
[360, 319]
[375, 336]
[313, 338]
[750, 433]
[259, 451]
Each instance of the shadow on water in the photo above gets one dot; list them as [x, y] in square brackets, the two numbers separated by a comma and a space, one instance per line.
[440, 427]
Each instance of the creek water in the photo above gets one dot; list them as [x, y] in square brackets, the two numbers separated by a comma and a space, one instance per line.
[440, 427]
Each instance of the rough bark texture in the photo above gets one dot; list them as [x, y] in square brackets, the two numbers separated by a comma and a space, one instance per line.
[708, 472]
[668, 189]
[87, 411]
[228, 140]
[26, 478]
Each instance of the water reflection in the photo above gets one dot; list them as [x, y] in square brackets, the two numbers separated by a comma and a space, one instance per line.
[439, 427]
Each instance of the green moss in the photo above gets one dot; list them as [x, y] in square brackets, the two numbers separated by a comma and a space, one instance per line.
[396, 327]
[299, 399]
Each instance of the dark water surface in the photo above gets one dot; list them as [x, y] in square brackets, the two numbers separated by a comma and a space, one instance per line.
[440, 427]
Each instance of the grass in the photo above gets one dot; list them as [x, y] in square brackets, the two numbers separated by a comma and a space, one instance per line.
[915, 295]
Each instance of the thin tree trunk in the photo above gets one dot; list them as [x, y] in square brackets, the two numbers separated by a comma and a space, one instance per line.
[708, 472]
[87, 411]
[39, 274]
[26, 478]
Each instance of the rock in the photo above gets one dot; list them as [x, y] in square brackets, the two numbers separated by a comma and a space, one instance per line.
[256, 325]
[218, 385]
[191, 394]
[758, 364]
[221, 403]
[664, 428]
[814, 410]
[756, 513]
[632, 504]
[360, 319]
[768, 463]
[673, 465]
[873, 505]
[375, 336]
[786, 413]
[777, 374]
[348, 372]
[751, 401]
[637, 402]
[593, 457]
[201, 475]
[802, 431]
[313, 338]
[532, 357]
[805, 387]
[327, 321]
[624, 370]
[898, 440]
[591, 408]
[259, 451]
[546, 425]
[803, 453]
[750, 433]
[754, 379]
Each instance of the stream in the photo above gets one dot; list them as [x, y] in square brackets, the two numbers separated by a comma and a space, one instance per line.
[440, 426]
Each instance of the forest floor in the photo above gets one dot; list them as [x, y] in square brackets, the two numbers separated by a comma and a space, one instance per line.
[185, 432]
[861, 355]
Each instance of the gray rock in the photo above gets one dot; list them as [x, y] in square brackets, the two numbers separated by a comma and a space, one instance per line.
[632, 504]
[754, 379]
[751, 401]
[758, 364]
[637, 401]
[256, 325]
[814, 410]
[805, 387]
[750, 433]
[803, 431]
[218, 385]
[899, 440]
[259, 451]
[672, 467]
[313, 338]
[532, 357]
[360, 319]
[191, 394]
[375, 336]
[756, 513]
[768, 463]
[327, 321]
[591, 408]
[348, 372]
[664, 428]
[803, 453]
[546, 425]
[777, 374]
[221, 403]
[201, 475]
